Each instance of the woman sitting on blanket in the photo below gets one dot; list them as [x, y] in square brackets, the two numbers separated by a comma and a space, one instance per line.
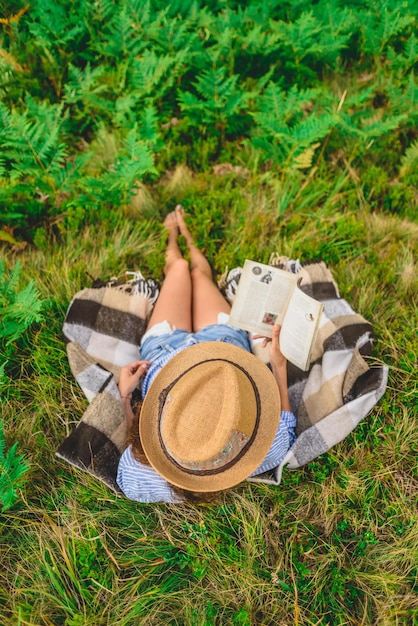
[210, 415]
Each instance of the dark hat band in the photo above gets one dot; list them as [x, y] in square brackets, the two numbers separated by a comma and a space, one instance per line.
[230, 464]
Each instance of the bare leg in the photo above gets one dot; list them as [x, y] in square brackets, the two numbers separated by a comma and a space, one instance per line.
[207, 300]
[197, 258]
[174, 301]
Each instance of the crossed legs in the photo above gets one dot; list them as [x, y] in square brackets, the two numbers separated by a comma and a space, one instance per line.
[188, 300]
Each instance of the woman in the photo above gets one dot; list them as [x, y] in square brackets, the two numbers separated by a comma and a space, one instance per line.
[210, 416]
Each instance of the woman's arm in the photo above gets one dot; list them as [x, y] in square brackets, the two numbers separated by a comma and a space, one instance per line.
[279, 368]
[128, 381]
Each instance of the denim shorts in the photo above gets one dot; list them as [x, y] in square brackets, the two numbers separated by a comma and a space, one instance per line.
[154, 346]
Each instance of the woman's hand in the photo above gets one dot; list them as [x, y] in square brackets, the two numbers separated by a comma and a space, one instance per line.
[278, 364]
[277, 360]
[130, 376]
[276, 357]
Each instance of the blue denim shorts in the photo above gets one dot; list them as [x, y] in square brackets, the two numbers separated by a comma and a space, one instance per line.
[154, 346]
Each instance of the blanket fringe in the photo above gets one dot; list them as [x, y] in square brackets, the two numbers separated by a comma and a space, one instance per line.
[136, 286]
[284, 263]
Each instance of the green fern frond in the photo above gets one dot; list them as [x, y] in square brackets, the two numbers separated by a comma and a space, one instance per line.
[219, 99]
[380, 23]
[13, 468]
[70, 173]
[134, 161]
[31, 142]
[101, 10]
[409, 161]
[286, 106]
[376, 126]
[150, 71]
[124, 39]
[82, 83]
[356, 100]
[19, 308]
[148, 129]
[139, 10]
[215, 88]
[404, 62]
[311, 130]
[9, 284]
[404, 97]
[258, 41]
[286, 123]
[53, 26]
[302, 36]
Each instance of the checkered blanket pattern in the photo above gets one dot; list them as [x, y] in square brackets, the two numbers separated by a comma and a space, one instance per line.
[103, 328]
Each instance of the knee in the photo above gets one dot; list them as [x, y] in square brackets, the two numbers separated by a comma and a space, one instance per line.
[182, 265]
[197, 273]
[179, 266]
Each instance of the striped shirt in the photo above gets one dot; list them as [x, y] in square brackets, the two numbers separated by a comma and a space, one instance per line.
[142, 483]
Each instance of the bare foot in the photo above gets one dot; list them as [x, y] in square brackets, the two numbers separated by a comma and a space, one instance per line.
[197, 258]
[171, 224]
[182, 225]
[172, 252]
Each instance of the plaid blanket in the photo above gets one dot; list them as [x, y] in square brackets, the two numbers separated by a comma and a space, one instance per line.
[104, 325]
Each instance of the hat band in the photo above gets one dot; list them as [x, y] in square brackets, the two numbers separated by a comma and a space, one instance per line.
[238, 445]
[230, 452]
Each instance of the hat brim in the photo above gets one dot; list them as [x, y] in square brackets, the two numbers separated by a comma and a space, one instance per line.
[269, 417]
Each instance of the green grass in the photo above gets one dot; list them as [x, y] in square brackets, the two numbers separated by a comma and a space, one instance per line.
[111, 114]
[336, 543]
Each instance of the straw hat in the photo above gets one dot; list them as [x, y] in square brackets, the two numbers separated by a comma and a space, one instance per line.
[210, 417]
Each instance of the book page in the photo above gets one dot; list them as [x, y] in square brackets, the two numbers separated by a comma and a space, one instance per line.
[262, 298]
[299, 328]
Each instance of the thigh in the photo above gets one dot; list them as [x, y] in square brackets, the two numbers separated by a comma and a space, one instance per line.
[174, 302]
[207, 300]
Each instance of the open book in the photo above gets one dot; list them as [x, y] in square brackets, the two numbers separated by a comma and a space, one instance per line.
[266, 296]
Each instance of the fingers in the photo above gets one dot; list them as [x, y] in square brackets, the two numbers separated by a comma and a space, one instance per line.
[134, 371]
[275, 334]
[130, 375]
[135, 366]
[140, 370]
[274, 339]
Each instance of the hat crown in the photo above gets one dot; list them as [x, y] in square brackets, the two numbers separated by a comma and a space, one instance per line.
[204, 385]
[208, 415]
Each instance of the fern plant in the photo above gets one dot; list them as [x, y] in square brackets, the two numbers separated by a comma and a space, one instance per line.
[218, 105]
[31, 142]
[162, 77]
[133, 162]
[19, 307]
[309, 37]
[13, 469]
[285, 131]
[33, 153]
[381, 23]
[409, 161]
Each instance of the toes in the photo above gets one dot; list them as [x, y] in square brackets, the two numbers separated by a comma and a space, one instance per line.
[180, 217]
[171, 220]
[179, 211]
